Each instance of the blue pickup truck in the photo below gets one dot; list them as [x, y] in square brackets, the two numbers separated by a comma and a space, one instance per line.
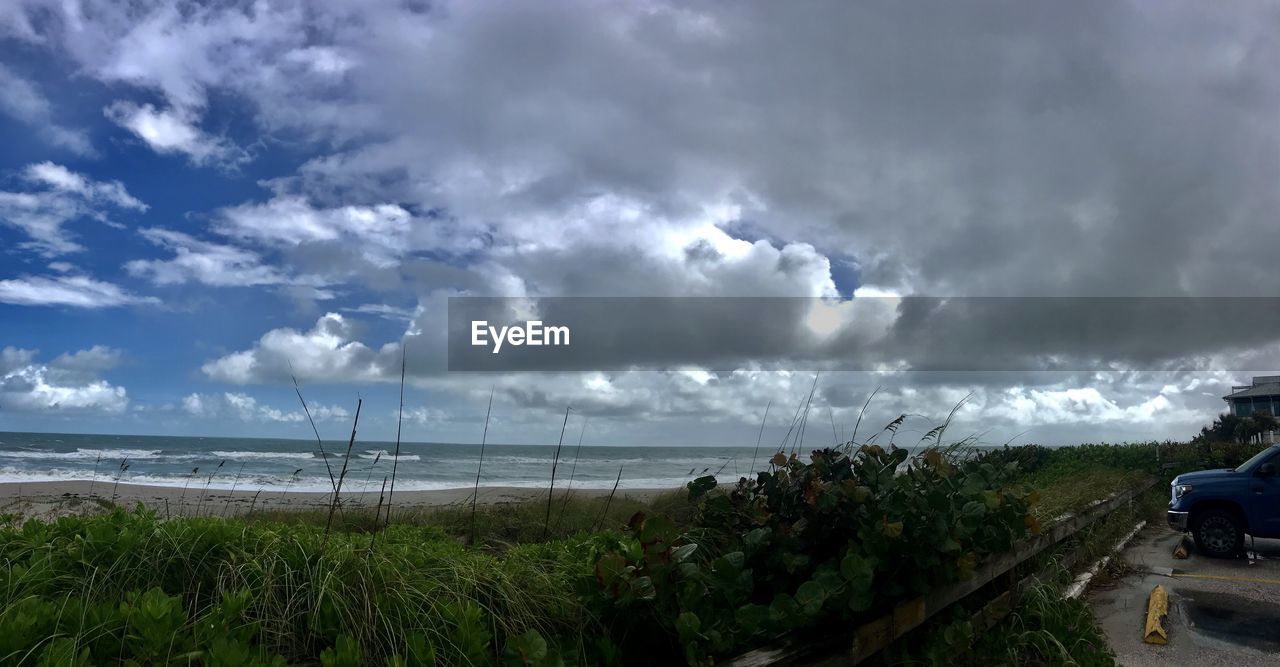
[1220, 506]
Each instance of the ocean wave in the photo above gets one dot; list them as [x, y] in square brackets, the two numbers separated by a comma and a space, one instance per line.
[314, 484]
[86, 454]
[594, 485]
[265, 482]
[568, 456]
[237, 456]
[382, 453]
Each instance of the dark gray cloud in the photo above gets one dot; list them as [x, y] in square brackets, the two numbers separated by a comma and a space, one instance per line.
[580, 148]
[989, 149]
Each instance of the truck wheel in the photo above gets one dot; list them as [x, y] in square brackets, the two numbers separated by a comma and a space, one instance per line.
[1218, 533]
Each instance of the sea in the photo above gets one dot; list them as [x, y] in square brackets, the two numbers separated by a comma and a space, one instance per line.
[302, 465]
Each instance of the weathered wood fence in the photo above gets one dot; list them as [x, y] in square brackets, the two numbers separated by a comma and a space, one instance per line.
[870, 638]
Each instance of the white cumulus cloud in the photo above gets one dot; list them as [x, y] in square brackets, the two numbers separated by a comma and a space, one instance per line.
[21, 99]
[173, 131]
[70, 384]
[380, 232]
[201, 261]
[325, 353]
[62, 196]
[75, 290]
[243, 407]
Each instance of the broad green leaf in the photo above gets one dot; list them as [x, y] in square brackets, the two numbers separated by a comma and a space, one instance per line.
[679, 554]
[643, 588]
[783, 608]
[609, 567]
[700, 486]
[526, 649]
[657, 529]
[687, 626]
[856, 567]
[810, 597]
[752, 617]
[757, 538]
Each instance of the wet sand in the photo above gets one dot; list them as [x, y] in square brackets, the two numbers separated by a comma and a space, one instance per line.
[50, 499]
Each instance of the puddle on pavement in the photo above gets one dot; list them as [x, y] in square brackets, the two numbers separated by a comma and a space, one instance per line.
[1234, 619]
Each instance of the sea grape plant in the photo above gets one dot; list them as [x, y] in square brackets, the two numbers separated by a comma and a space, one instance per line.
[840, 538]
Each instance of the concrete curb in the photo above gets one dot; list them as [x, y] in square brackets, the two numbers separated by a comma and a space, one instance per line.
[1081, 582]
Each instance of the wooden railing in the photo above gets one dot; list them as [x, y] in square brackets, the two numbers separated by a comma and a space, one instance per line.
[870, 638]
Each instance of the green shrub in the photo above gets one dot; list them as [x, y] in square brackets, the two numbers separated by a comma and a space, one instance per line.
[1161, 459]
[837, 540]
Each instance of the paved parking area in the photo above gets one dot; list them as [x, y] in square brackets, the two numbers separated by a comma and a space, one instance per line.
[1221, 612]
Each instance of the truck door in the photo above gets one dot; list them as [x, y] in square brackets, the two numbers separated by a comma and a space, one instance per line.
[1264, 499]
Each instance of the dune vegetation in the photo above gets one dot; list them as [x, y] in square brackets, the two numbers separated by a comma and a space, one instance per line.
[813, 544]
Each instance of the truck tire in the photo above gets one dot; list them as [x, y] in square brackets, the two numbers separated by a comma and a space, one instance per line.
[1218, 533]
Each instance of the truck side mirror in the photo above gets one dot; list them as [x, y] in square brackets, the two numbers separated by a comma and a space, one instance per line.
[1267, 470]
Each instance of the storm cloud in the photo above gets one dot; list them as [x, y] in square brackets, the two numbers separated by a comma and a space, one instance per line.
[996, 172]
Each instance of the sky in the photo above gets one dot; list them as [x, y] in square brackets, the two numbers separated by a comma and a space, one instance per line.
[199, 199]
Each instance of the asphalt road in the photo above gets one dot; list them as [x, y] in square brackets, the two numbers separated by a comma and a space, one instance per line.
[1231, 620]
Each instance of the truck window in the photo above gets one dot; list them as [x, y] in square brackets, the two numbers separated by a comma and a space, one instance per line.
[1256, 458]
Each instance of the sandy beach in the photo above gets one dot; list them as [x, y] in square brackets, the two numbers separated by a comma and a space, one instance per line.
[51, 499]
